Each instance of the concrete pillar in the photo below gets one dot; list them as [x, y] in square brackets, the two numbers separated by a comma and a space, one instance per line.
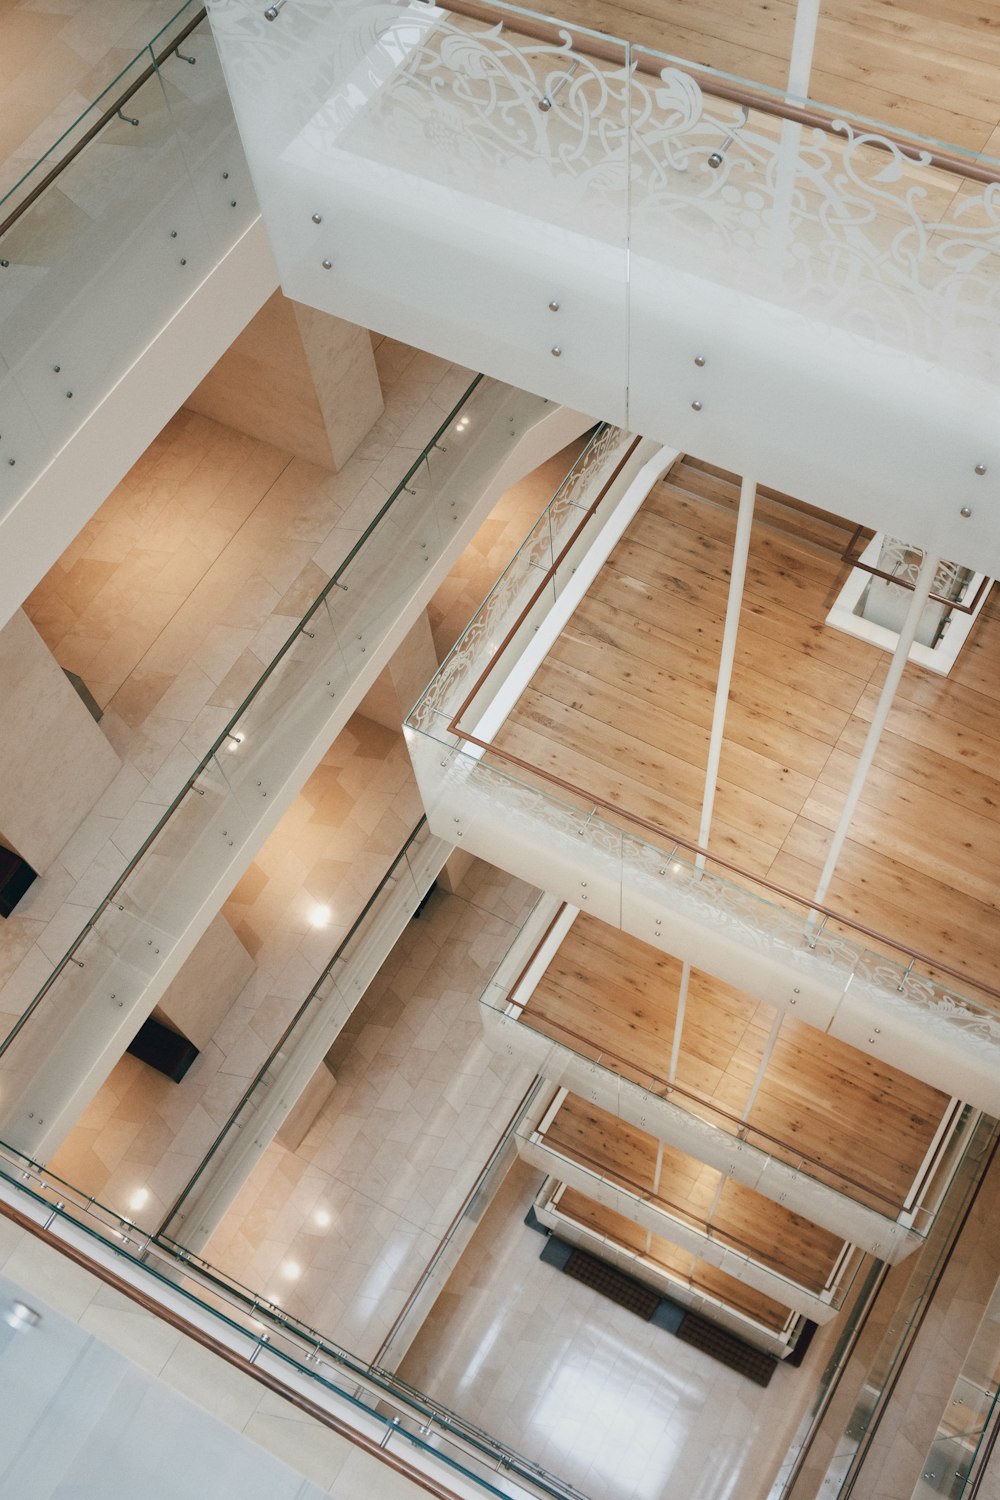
[298, 378]
[400, 683]
[56, 762]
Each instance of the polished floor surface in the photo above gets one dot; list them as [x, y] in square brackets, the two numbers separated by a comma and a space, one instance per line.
[338, 1230]
[622, 705]
[619, 1408]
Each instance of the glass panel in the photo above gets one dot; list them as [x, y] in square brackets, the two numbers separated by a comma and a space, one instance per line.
[59, 137]
[24, 450]
[99, 262]
[202, 116]
[838, 223]
[497, 146]
[413, 1423]
[198, 842]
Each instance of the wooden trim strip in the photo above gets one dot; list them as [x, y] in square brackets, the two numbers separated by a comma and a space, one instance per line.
[535, 952]
[216, 1346]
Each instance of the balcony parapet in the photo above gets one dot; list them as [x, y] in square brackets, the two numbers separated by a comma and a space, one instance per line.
[699, 1127]
[675, 236]
[816, 964]
[108, 982]
[698, 1240]
[112, 302]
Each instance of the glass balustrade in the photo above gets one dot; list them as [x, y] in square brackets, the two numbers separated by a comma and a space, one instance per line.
[850, 1436]
[108, 235]
[285, 720]
[414, 1427]
[727, 267]
[307, 1038]
[705, 1129]
[654, 1209]
[655, 884]
[560, 145]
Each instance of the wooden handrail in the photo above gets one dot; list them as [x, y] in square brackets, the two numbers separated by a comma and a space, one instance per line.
[853, 556]
[781, 107]
[95, 129]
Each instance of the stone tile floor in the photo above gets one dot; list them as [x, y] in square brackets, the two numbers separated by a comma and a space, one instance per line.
[617, 1407]
[338, 1231]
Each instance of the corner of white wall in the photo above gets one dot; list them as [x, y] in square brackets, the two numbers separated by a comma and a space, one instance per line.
[85, 471]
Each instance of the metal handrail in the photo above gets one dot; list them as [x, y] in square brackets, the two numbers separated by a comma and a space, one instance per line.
[109, 114]
[228, 732]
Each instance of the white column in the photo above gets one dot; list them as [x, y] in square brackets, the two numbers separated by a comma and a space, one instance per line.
[900, 656]
[803, 46]
[741, 548]
[682, 995]
[765, 1058]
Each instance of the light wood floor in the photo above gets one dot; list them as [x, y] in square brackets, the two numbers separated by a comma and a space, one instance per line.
[913, 64]
[697, 1273]
[865, 1126]
[751, 1224]
[621, 708]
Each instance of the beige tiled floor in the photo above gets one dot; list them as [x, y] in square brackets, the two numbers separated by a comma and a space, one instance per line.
[338, 1231]
[172, 600]
[142, 1137]
[617, 1407]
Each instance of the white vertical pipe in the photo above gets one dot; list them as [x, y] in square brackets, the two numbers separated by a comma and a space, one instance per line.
[803, 46]
[682, 995]
[900, 656]
[764, 1060]
[787, 156]
[741, 548]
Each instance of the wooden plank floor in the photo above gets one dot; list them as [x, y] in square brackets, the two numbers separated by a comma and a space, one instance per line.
[621, 708]
[913, 64]
[627, 1156]
[865, 1126]
[696, 1273]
